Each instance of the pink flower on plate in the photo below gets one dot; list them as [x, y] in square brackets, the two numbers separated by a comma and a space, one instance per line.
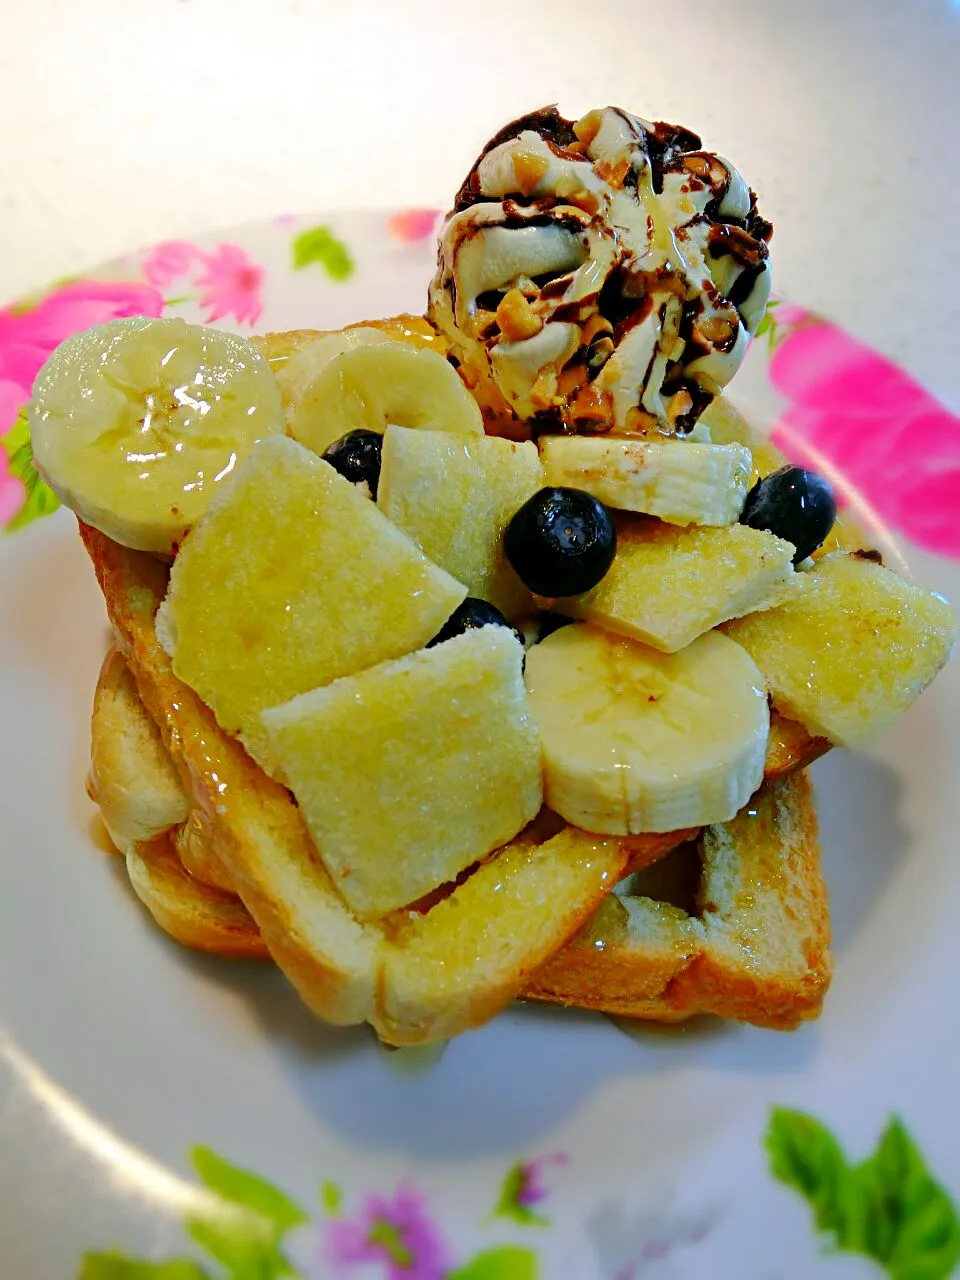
[170, 260]
[28, 335]
[863, 420]
[532, 1189]
[396, 1232]
[11, 402]
[413, 224]
[525, 1186]
[232, 284]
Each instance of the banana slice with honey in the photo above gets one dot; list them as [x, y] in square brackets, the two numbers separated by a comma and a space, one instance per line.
[377, 384]
[137, 422]
[635, 740]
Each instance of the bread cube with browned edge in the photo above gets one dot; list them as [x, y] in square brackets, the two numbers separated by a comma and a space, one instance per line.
[852, 651]
[763, 902]
[291, 580]
[667, 584]
[455, 496]
[735, 925]
[132, 777]
[408, 773]
[471, 954]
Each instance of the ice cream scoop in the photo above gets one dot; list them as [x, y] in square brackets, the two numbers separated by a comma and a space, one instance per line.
[600, 275]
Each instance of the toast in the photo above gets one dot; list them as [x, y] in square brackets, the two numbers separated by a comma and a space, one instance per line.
[220, 854]
[235, 870]
[132, 778]
[735, 924]
[192, 913]
[680, 935]
[415, 977]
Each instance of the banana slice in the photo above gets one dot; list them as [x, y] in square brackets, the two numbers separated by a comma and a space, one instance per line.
[372, 386]
[677, 480]
[137, 422]
[639, 741]
[298, 373]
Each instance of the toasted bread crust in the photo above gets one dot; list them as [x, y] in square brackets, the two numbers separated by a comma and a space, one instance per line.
[131, 778]
[257, 830]
[241, 876]
[676, 965]
[757, 951]
[249, 826]
[197, 916]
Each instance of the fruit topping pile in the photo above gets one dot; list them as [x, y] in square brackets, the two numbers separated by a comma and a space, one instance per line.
[438, 574]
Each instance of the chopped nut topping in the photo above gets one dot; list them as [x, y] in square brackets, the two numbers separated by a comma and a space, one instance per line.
[613, 173]
[529, 169]
[592, 406]
[573, 377]
[680, 402]
[595, 326]
[588, 126]
[718, 330]
[697, 164]
[639, 423]
[544, 390]
[584, 200]
[600, 352]
[516, 318]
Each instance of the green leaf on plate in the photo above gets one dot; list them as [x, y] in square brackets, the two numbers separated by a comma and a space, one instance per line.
[507, 1262]
[245, 1254]
[766, 324]
[889, 1207]
[241, 1187]
[331, 1197]
[769, 327]
[39, 500]
[509, 1205]
[118, 1266]
[806, 1156]
[914, 1227]
[320, 245]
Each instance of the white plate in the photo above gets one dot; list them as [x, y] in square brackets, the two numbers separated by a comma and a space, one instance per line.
[548, 1143]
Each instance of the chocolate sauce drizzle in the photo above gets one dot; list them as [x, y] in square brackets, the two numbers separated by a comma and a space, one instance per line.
[628, 294]
[547, 121]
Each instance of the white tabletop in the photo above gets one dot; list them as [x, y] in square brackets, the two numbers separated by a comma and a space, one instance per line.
[127, 122]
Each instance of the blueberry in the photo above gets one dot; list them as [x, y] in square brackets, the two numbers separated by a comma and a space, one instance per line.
[794, 504]
[470, 616]
[357, 457]
[561, 542]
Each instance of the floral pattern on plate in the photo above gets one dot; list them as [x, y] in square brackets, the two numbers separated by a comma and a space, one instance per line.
[855, 413]
[888, 1208]
[850, 411]
[845, 408]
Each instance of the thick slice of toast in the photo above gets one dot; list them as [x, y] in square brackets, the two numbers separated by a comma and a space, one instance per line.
[244, 833]
[734, 924]
[131, 778]
[346, 971]
[192, 913]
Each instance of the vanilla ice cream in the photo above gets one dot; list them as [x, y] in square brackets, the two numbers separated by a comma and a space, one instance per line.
[603, 275]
